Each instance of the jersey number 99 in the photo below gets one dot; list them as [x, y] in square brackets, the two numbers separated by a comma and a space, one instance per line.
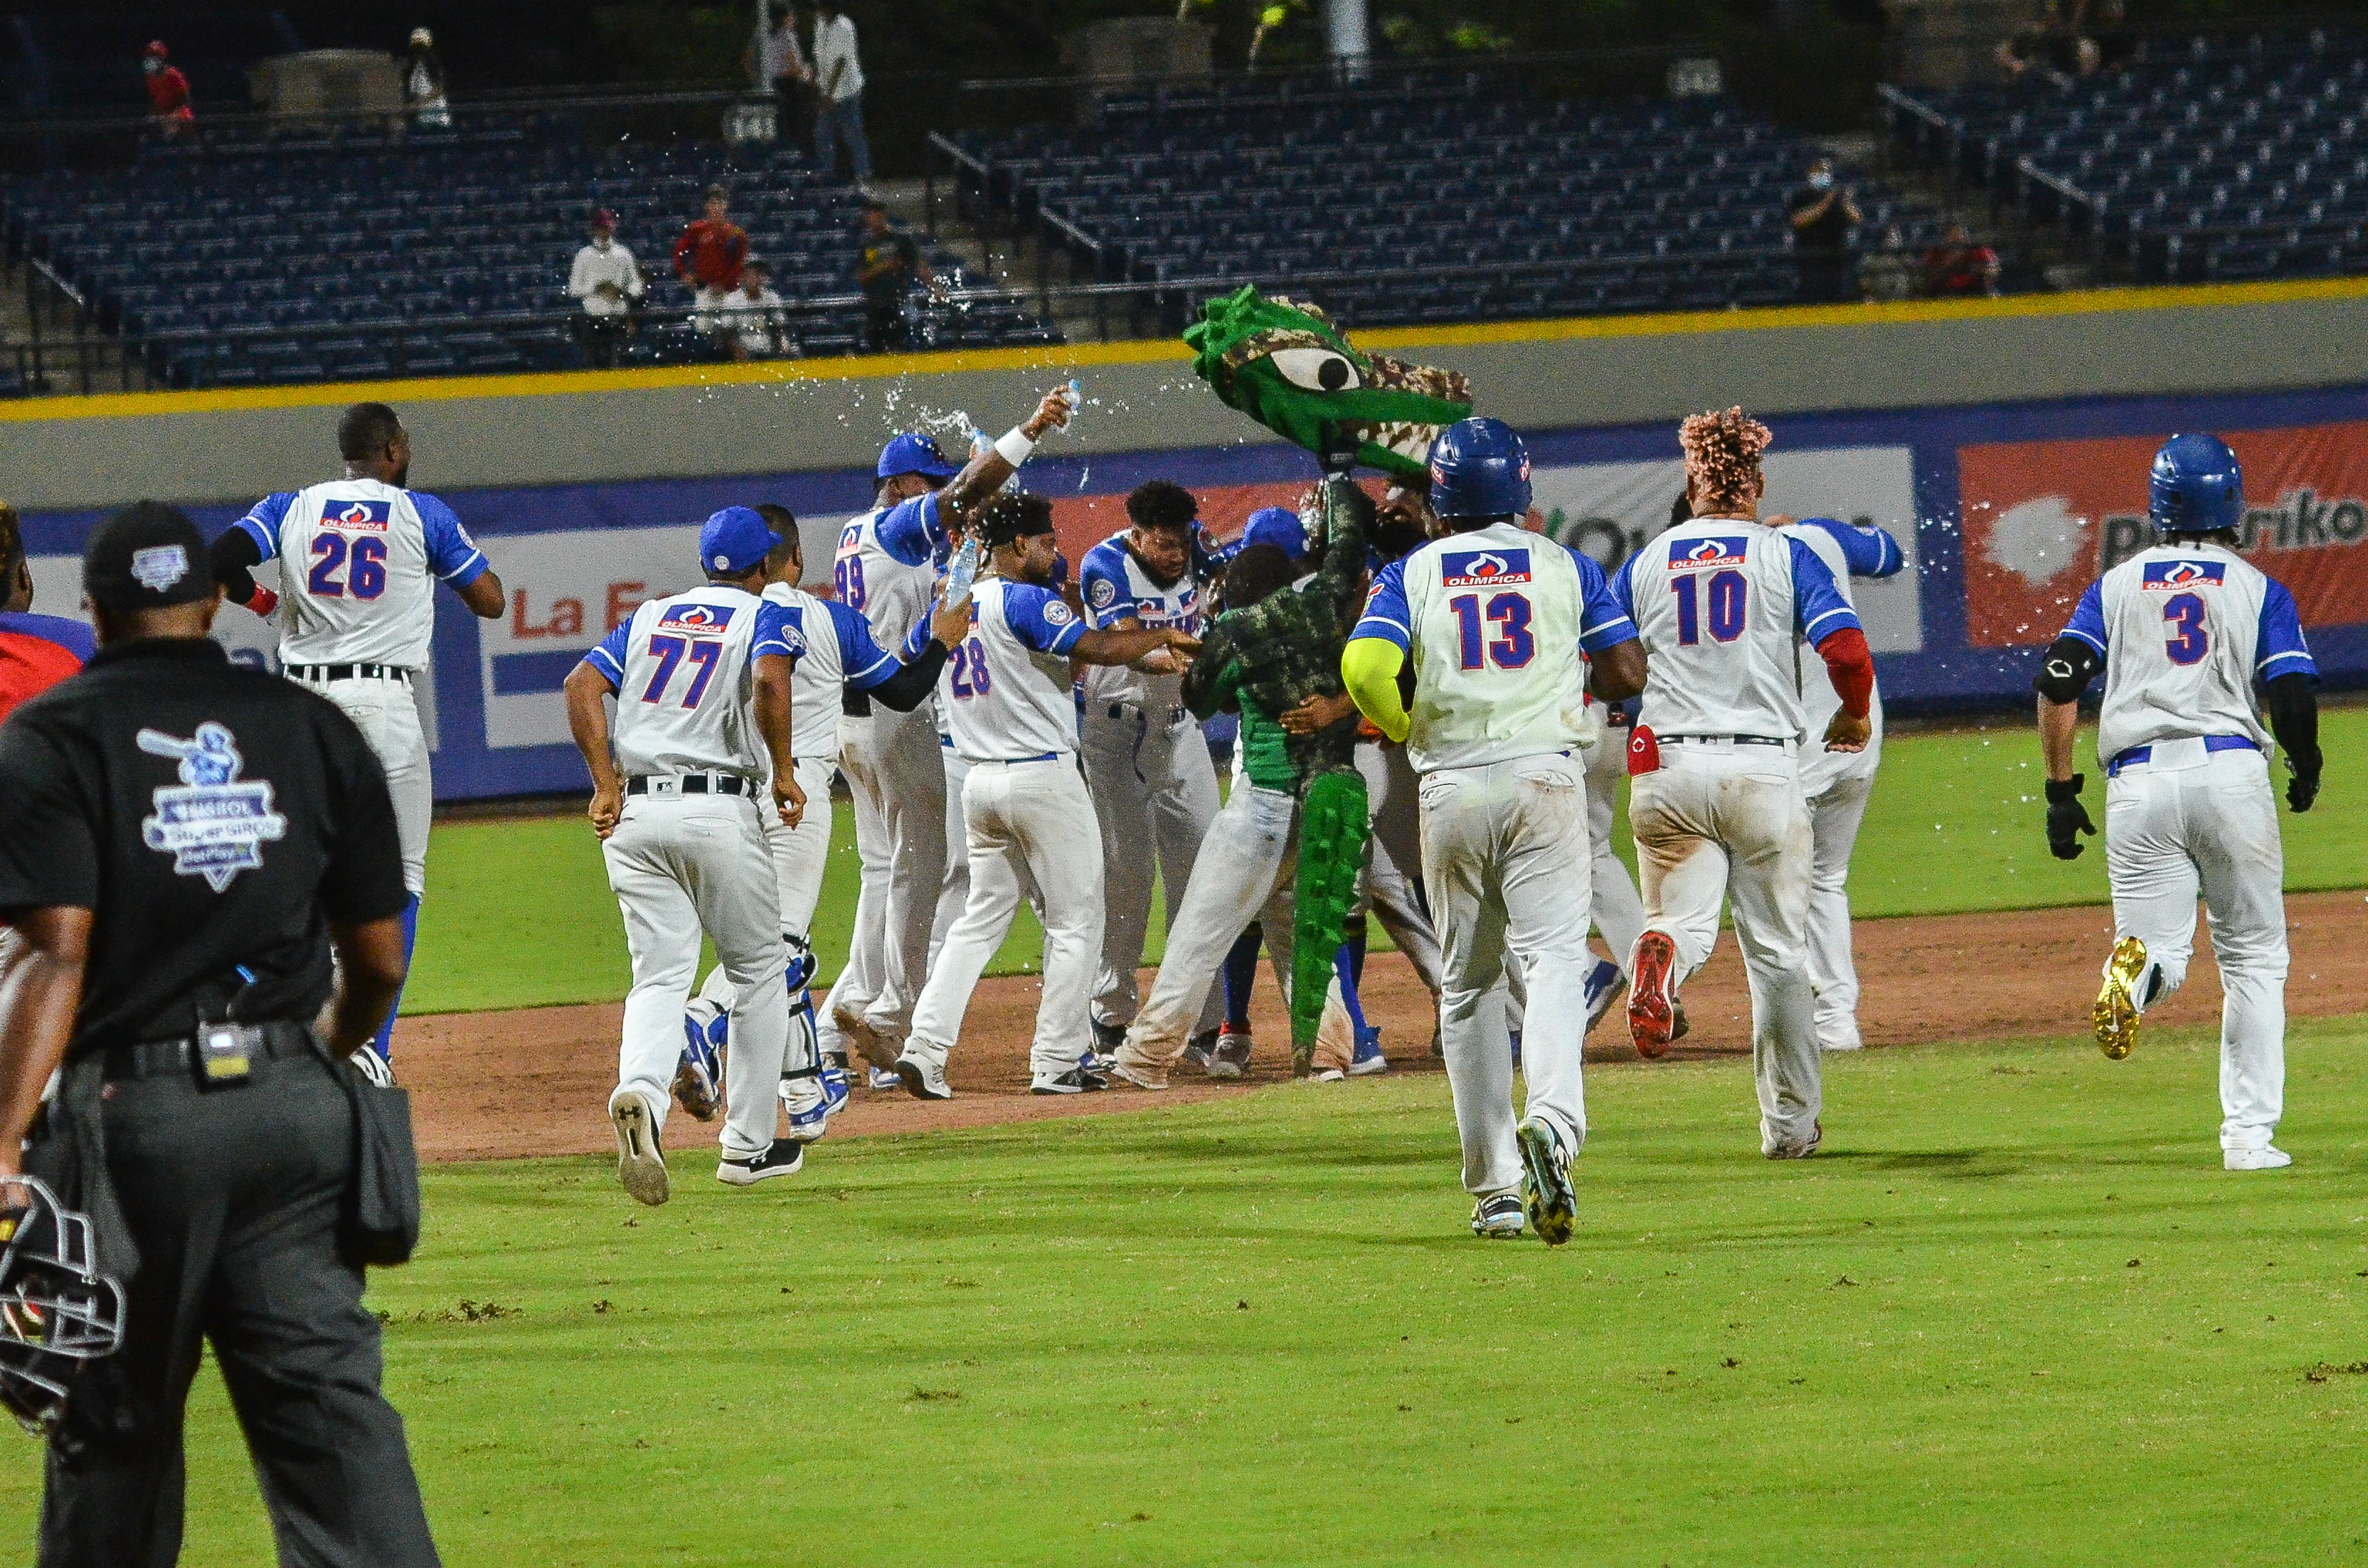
[1513, 647]
[849, 575]
[364, 558]
[1725, 593]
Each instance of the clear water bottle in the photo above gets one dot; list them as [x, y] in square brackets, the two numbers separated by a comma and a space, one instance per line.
[963, 572]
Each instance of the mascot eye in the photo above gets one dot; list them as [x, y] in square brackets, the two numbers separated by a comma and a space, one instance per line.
[1316, 369]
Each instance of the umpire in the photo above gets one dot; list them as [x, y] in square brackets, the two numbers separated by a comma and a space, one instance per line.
[187, 842]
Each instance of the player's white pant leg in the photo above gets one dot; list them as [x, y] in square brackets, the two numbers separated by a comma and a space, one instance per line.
[802, 854]
[1155, 793]
[1393, 851]
[1180, 815]
[1245, 868]
[1505, 858]
[953, 888]
[388, 716]
[910, 770]
[1619, 911]
[1680, 859]
[1835, 813]
[1762, 819]
[1047, 800]
[860, 981]
[976, 936]
[679, 867]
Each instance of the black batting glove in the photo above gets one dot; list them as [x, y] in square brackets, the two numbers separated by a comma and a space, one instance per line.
[2303, 788]
[2067, 818]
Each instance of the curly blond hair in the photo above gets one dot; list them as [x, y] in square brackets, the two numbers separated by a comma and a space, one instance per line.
[1722, 456]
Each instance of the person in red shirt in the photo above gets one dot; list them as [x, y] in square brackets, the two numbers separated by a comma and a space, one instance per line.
[1957, 268]
[707, 259]
[36, 651]
[168, 93]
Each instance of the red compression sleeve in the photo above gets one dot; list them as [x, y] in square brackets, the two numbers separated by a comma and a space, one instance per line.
[1852, 665]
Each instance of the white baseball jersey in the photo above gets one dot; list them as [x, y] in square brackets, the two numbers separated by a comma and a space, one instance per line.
[1006, 690]
[1115, 587]
[684, 670]
[359, 560]
[2184, 630]
[1847, 552]
[1494, 621]
[887, 566]
[838, 653]
[1722, 605]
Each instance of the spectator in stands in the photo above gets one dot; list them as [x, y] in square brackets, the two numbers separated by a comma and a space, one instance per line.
[1887, 272]
[707, 259]
[1957, 268]
[885, 269]
[423, 83]
[778, 63]
[168, 93]
[1823, 217]
[2055, 48]
[838, 85]
[608, 282]
[758, 325]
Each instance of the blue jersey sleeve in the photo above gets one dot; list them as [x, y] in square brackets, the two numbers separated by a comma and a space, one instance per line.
[2088, 621]
[1868, 552]
[1038, 617]
[608, 658]
[1386, 616]
[2281, 650]
[1603, 621]
[776, 633]
[912, 532]
[861, 663]
[262, 521]
[1818, 609]
[1623, 588]
[1109, 597]
[452, 553]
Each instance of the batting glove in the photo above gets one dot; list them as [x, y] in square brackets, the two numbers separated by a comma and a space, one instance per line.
[2067, 818]
[2303, 788]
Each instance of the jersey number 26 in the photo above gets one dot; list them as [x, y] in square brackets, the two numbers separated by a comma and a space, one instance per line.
[367, 575]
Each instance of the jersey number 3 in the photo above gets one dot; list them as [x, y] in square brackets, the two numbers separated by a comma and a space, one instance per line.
[367, 575]
[1511, 648]
[2186, 641]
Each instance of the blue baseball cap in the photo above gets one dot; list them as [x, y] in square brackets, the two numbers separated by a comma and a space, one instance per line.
[914, 453]
[1277, 526]
[736, 541]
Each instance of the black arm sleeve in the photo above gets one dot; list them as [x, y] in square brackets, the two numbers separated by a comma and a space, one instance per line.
[233, 557]
[911, 683]
[2066, 671]
[2293, 719]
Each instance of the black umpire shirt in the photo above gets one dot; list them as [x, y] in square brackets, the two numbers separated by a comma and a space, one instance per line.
[213, 818]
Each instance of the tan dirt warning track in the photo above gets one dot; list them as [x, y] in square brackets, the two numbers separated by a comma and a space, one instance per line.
[534, 1082]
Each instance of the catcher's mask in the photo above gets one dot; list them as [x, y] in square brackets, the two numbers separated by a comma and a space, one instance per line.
[56, 1309]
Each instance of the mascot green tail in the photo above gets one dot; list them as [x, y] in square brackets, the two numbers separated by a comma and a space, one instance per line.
[1332, 822]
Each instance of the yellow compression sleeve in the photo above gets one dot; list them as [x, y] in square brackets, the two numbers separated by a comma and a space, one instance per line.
[1368, 668]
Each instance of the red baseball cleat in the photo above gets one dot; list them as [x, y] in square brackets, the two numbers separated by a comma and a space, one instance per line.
[1652, 1010]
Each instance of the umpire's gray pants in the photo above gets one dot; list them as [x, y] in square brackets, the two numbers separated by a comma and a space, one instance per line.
[1155, 794]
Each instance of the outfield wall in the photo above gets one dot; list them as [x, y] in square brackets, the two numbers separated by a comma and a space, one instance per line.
[2007, 503]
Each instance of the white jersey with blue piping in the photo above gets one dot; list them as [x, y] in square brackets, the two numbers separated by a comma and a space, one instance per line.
[838, 654]
[1115, 587]
[684, 670]
[1494, 621]
[1723, 605]
[2185, 627]
[887, 566]
[1848, 550]
[1005, 693]
[360, 561]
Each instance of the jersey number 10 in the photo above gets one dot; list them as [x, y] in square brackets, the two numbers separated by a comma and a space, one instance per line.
[1726, 596]
[1513, 647]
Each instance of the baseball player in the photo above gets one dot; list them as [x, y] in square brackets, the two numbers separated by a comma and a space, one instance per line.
[840, 658]
[1014, 720]
[702, 685]
[1146, 762]
[1714, 784]
[2183, 630]
[1837, 783]
[886, 566]
[359, 560]
[1493, 619]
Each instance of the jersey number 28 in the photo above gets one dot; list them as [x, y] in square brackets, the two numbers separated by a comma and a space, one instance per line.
[969, 668]
[1513, 647]
[367, 577]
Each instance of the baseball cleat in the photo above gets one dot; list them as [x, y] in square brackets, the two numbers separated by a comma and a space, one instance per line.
[2116, 1012]
[1653, 1014]
[1106, 1038]
[1329, 1075]
[882, 1079]
[1795, 1148]
[1138, 1069]
[869, 1043]
[1497, 1217]
[786, 1156]
[371, 1065]
[1603, 982]
[1368, 1059]
[1230, 1061]
[1200, 1050]
[924, 1080]
[641, 1164]
[2262, 1159]
[1077, 1080]
[699, 1077]
[1546, 1192]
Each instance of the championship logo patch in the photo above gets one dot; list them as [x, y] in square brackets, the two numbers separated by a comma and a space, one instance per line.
[356, 516]
[211, 824]
[1058, 614]
[697, 620]
[1102, 592]
[159, 566]
[1483, 568]
[2169, 576]
[1691, 555]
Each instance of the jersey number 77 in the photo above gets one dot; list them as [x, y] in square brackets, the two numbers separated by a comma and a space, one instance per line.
[669, 652]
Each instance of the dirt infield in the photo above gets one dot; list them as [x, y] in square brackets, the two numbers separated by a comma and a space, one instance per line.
[498, 1085]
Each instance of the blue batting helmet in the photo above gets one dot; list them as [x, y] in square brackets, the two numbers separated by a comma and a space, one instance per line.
[2196, 487]
[1479, 469]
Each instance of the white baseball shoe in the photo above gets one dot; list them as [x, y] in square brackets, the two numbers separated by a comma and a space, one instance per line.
[786, 1156]
[641, 1164]
[2262, 1159]
[923, 1079]
[1547, 1193]
[1497, 1216]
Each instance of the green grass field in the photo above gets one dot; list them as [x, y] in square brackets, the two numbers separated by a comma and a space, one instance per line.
[518, 913]
[2015, 1313]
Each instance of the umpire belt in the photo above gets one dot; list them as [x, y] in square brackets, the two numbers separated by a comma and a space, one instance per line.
[349, 671]
[275, 1039]
[690, 784]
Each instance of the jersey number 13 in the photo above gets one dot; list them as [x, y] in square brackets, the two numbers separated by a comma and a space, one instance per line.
[1511, 648]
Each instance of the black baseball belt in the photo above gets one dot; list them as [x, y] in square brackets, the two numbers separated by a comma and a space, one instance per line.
[350, 672]
[694, 783]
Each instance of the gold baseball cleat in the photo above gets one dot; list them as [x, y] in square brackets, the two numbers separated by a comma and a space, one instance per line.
[2116, 1012]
